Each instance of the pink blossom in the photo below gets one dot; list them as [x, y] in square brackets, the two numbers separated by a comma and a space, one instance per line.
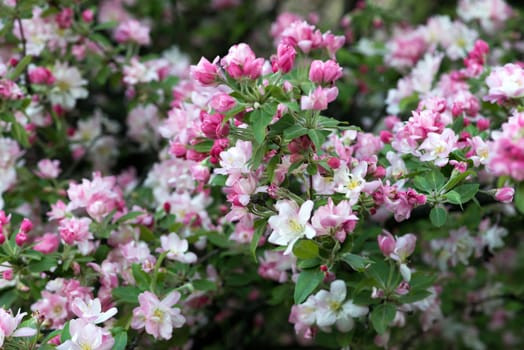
[319, 98]
[48, 169]
[158, 317]
[9, 325]
[505, 194]
[291, 224]
[505, 83]
[222, 102]
[324, 72]
[91, 310]
[506, 156]
[47, 244]
[242, 62]
[176, 248]
[285, 58]
[337, 220]
[74, 230]
[205, 72]
[41, 75]
[132, 30]
[275, 266]
[437, 147]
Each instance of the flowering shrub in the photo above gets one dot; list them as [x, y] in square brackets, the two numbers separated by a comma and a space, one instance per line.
[148, 202]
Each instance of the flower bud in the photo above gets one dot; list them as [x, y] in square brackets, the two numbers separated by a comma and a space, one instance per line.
[386, 243]
[26, 225]
[505, 194]
[21, 238]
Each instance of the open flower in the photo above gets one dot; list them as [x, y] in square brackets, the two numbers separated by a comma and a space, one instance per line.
[291, 224]
[158, 317]
[333, 309]
[176, 248]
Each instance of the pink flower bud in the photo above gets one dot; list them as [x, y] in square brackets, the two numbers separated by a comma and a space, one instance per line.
[505, 194]
[64, 19]
[41, 75]
[21, 238]
[483, 124]
[285, 58]
[7, 275]
[26, 225]
[205, 72]
[88, 16]
[386, 243]
[334, 162]
[47, 244]
[222, 102]
[4, 220]
[177, 149]
[200, 172]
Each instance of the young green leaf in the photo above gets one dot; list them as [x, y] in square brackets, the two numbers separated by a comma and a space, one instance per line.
[307, 282]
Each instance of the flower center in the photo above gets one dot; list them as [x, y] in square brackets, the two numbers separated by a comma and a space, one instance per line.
[295, 226]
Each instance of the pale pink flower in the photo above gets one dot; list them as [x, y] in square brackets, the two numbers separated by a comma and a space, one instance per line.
[48, 169]
[68, 86]
[47, 244]
[275, 266]
[85, 335]
[75, 230]
[176, 248]
[507, 149]
[291, 224]
[437, 147]
[505, 83]
[319, 98]
[158, 317]
[324, 72]
[91, 310]
[9, 325]
[334, 219]
[205, 72]
[132, 30]
[303, 317]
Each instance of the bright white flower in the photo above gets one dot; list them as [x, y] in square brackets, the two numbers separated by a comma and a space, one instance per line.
[351, 183]
[333, 309]
[235, 160]
[437, 147]
[492, 237]
[68, 87]
[176, 248]
[291, 224]
[138, 72]
[87, 336]
[91, 310]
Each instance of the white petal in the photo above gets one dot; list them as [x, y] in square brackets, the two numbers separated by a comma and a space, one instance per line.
[338, 290]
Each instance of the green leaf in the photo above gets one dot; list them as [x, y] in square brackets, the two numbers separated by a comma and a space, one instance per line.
[142, 279]
[204, 285]
[317, 137]
[218, 180]
[126, 294]
[305, 249]
[20, 67]
[467, 191]
[453, 197]
[46, 264]
[258, 156]
[260, 228]
[519, 198]
[356, 262]
[312, 169]
[379, 271]
[414, 296]
[20, 134]
[295, 131]
[382, 316]
[203, 146]
[120, 341]
[422, 184]
[307, 282]
[435, 179]
[218, 240]
[438, 216]
[277, 92]
[106, 25]
[282, 124]
[259, 121]
[65, 335]
[129, 216]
